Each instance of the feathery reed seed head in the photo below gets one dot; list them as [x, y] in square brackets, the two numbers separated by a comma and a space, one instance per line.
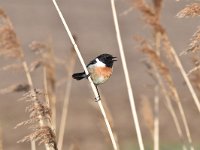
[15, 88]
[151, 15]
[191, 10]
[9, 44]
[147, 113]
[38, 111]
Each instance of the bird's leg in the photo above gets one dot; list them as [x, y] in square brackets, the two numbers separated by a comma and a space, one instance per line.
[97, 98]
[87, 75]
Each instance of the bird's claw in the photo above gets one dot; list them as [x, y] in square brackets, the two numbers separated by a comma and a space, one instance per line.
[87, 76]
[97, 99]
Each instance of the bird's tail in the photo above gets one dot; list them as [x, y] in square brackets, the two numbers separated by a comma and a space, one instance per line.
[79, 76]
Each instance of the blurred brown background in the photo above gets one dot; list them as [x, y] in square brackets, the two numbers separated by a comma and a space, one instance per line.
[91, 21]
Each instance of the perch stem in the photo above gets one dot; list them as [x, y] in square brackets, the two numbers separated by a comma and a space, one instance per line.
[86, 71]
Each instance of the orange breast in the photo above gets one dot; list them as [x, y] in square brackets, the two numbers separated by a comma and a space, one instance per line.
[100, 74]
[103, 71]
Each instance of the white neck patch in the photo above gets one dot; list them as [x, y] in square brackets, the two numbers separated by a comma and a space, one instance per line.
[99, 63]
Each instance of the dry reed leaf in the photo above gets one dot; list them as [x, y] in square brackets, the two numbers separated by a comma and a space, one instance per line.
[147, 113]
[15, 88]
[193, 70]
[35, 65]
[13, 67]
[190, 11]
[126, 12]
[9, 44]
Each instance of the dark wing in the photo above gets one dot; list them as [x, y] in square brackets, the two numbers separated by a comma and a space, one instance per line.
[92, 62]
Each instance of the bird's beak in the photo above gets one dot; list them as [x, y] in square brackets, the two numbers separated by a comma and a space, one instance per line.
[113, 59]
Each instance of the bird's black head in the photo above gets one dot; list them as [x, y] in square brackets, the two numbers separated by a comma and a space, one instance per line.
[107, 59]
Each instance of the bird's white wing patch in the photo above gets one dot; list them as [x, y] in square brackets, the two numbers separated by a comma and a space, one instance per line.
[99, 63]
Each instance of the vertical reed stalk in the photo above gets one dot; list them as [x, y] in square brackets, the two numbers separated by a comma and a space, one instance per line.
[129, 88]
[1, 139]
[45, 86]
[30, 82]
[109, 116]
[152, 18]
[86, 71]
[168, 104]
[66, 101]
[166, 75]
[41, 122]
[179, 65]
[156, 98]
[170, 108]
[186, 79]
[185, 124]
[33, 147]
[156, 118]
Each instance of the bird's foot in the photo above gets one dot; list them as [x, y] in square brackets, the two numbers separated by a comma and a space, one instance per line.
[87, 75]
[97, 99]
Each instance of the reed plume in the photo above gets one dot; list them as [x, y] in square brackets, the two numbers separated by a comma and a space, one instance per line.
[46, 60]
[191, 10]
[147, 113]
[38, 108]
[154, 73]
[165, 74]
[10, 48]
[152, 19]
[9, 43]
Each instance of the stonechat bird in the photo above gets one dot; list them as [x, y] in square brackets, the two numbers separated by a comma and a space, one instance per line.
[100, 69]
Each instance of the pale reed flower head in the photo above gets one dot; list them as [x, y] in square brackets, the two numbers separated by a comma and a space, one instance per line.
[9, 44]
[190, 11]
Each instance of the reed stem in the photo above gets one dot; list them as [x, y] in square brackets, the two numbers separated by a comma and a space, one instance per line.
[128, 83]
[86, 71]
